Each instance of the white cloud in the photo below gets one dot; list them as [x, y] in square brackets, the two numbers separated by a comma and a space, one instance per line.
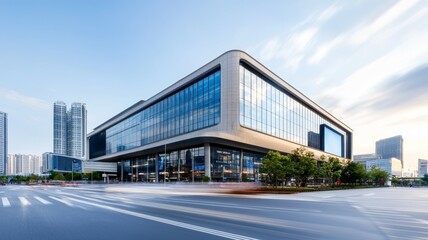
[24, 100]
[364, 33]
[292, 50]
[329, 12]
[359, 86]
[270, 49]
[300, 40]
[319, 80]
[361, 34]
[324, 49]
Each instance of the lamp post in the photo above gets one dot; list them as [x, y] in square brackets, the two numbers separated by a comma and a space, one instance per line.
[164, 168]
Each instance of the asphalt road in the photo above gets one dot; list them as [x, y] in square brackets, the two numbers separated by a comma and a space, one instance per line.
[171, 212]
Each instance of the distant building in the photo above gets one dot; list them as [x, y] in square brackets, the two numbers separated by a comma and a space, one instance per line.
[11, 165]
[76, 132]
[390, 165]
[390, 148]
[53, 162]
[422, 167]
[3, 143]
[60, 128]
[70, 129]
[23, 164]
[365, 157]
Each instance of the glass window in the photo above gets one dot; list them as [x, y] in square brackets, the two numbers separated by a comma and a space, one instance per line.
[190, 109]
[266, 108]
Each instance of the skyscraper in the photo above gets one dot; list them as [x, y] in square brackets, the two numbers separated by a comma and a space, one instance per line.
[3, 143]
[76, 133]
[60, 128]
[70, 129]
[390, 148]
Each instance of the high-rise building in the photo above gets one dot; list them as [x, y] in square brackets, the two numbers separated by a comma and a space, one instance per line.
[70, 129]
[76, 133]
[3, 143]
[60, 128]
[24, 164]
[11, 165]
[390, 148]
[423, 167]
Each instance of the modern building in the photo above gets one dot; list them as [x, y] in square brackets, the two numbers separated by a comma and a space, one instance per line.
[390, 165]
[53, 162]
[70, 129]
[365, 157]
[60, 128]
[391, 148]
[76, 132]
[422, 167]
[24, 164]
[218, 122]
[3, 143]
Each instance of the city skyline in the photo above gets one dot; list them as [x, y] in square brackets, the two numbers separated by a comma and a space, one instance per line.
[364, 62]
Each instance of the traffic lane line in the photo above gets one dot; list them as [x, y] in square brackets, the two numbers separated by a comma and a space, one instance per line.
[167, 221]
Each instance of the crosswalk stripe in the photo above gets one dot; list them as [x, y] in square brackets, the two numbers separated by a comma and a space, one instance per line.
[5, 201]
[42, 200]
[24, 201]
[62, 200]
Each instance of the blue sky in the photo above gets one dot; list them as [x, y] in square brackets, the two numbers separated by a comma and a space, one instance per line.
[366, 62]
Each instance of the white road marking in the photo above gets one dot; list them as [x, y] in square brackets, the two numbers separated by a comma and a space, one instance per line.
[5, 201]
[368, 194]
[42, 200]
[62, 200]
[24, 201]
[167, 221]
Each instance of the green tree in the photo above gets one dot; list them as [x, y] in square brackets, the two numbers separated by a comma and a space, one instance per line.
[331, 169]
[425, 178]
[378, 176]
[59, 176]
[272, 167]
[289, 168]
[395, 181]
[305, 166]
[354, 172]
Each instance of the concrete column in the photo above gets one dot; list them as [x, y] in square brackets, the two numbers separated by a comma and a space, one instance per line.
[122, 163]
[207, 160]
[241, 165]
[157, 167]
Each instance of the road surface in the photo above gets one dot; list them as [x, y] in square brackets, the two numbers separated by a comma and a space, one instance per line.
[171, 212]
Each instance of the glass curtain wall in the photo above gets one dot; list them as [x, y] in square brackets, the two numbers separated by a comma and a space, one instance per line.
[250, 166]
[178, 165]
[265, 108]
[144, 169]
[188, 165]
[225, 164]
[194, 107]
